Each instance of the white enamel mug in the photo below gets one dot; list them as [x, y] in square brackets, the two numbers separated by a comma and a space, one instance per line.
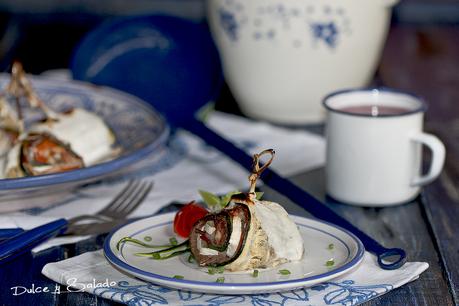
[375, 159]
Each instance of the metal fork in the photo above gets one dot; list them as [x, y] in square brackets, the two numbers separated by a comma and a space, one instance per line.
[118, 209]
[125, 202]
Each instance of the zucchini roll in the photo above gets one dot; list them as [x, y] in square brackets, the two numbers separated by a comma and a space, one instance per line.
[60, 142]
[247, 234]
[74, 140]
[218, 239]
[84, 132]
[40, 154]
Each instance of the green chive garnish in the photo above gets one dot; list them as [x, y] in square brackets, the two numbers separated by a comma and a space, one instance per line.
[138, 242]
[147, 238]
[331, 246]
[156, 256]
[255, 273]
[220, 270]
[178, 276]
[191, 258]
[330, 263]
[284, 272]
[220, 280]
[215, 270]
[173, 241]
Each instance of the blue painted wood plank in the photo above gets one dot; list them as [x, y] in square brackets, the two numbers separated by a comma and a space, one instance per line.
[24, 273]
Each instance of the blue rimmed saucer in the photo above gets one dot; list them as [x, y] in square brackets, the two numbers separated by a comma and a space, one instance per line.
[346, 254]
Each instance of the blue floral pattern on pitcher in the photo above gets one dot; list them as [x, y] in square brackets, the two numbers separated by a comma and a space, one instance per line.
[324, 25]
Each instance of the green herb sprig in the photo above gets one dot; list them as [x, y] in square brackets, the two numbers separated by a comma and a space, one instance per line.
[141, 243]
[216, 203]
[168, 252]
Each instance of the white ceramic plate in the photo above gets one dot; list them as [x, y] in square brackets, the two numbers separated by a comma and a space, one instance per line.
[347, 253]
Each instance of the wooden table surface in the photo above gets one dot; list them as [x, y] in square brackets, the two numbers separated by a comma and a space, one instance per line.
[423, 60]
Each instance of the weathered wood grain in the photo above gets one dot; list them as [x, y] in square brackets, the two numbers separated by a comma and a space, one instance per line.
[425, 60]
[401, 226]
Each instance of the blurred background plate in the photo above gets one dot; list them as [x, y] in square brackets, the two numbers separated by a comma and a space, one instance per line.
[139, 131]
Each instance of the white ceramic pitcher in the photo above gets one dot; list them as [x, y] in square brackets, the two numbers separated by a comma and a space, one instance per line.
[281, 57]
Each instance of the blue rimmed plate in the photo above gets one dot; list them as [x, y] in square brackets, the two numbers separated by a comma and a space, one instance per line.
[323, 243]
[139, 129]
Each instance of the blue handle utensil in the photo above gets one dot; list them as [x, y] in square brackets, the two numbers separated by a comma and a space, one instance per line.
[178, 81]
[6, 233]
[26, 240]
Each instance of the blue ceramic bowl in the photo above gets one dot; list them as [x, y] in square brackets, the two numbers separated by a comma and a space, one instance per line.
[169, 62]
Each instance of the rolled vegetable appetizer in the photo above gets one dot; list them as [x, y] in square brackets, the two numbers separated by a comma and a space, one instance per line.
[62, 141]
[84, 132]
[40, 154]
[256, 235]
[73, 140]
[248, 234]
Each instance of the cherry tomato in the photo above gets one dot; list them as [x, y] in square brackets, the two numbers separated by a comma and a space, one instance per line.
[186, 217]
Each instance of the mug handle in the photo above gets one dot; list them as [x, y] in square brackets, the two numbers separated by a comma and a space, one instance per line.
[438, 158]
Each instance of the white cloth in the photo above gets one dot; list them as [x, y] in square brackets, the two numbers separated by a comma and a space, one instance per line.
[91, 269]
[177, 171]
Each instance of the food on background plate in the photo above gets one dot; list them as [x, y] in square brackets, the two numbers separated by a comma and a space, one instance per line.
[10, 125]
[60, 142]
[244, 235]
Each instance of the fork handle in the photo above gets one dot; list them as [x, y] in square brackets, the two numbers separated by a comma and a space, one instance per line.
[27, 240]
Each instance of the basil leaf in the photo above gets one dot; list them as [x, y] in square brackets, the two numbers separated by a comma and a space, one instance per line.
[227, 197]
[259, 194]
[210, 199]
